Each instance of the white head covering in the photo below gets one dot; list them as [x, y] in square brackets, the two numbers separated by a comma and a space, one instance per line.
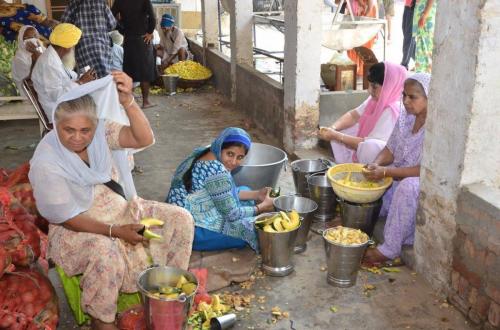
[116, 37]
[21, 62]
[63, 184]
[424, 79]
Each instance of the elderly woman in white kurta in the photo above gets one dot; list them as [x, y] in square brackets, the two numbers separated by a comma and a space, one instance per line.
[29, 48]
[83, 187]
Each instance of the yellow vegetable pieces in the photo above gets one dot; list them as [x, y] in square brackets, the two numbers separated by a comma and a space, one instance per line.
[346, 236]
[151, 222]
[280, 222]
[189, 70]
[205, 312]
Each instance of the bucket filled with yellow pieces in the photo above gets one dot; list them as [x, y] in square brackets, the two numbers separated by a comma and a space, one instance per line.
[277, 232]
[344, 248]
[191, 74]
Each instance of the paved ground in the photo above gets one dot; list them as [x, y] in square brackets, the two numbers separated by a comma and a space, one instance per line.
[399, 301]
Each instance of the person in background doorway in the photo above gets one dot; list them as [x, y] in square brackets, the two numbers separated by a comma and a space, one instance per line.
[117, 52]
[389, 14]
[137, 21]
[29, 48]
[423, 31]
[360, 134]
[173, 41]
[53, 73]
[366, 8]
[408, 39]
[95, 20]
[401, 159]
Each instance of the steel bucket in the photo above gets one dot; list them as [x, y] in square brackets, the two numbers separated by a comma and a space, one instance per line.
[343, 262]
[305, 207]
[322, 193]
[276, 249]
[302, 168]
[162, 313]
[261, 167]
[360, 216]
[170, 83]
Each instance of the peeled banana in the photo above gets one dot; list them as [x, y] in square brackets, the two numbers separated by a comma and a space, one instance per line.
[150, 222]
[281, 222]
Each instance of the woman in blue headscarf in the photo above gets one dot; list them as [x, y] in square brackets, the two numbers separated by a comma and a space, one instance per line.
[203, 185]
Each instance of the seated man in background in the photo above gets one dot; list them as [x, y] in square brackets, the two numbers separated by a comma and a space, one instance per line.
[117, 52]
[53, 73]
[173, 42]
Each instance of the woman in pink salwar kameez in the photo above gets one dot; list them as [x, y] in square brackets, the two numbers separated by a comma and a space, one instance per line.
[401, 159]
[360, 134]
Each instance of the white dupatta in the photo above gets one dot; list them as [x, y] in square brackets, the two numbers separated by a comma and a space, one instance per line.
[63, 184]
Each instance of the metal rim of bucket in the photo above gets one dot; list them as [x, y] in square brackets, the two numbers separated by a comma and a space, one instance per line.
[368, 242]
[318, 174]
[325, 162]
[283, 160]
[374, 203]
[150, 295]
[315, 205]
[278, 271]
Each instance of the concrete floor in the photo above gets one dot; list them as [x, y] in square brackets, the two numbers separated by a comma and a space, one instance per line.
[400, 300]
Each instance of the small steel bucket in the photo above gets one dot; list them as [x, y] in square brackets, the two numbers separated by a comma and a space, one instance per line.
[322, 193]
[302, 168]
[343, 262]
[170, 83]
[162, 313]
[276, 249]
[305, 207]
[360, 216]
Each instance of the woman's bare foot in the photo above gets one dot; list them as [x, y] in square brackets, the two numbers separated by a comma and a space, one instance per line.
[147, 104]
[100, 325]
[373, 257]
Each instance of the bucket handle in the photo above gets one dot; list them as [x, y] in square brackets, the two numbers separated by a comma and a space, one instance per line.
[327, 162]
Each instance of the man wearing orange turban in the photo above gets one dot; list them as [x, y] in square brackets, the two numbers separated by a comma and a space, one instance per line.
[53, 73]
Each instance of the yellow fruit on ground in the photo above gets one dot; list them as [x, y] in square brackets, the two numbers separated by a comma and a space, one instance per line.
[189, 70]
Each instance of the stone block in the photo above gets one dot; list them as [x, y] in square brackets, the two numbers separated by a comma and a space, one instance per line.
[463, 288]
[473, 278]
[455, 277]
[461, 304]
[493, 292]
[494, 315]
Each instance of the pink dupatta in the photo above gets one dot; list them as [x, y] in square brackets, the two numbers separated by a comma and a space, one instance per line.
[394, 78]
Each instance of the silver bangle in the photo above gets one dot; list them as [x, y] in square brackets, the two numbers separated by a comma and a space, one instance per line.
[111, 227]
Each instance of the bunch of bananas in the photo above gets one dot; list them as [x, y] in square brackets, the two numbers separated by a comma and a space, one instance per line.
[189, 70]
[183, 286]
[147, 223]
[346, 236]
[280, 222]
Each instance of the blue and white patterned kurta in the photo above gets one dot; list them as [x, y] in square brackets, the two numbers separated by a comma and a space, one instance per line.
[213, 202]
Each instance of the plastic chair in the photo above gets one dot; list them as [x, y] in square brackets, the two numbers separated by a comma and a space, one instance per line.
[71, 286]
[45, 125]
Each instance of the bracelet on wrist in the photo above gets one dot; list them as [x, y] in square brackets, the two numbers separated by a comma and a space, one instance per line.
[130, 103]
[110, 235]
[385, 169]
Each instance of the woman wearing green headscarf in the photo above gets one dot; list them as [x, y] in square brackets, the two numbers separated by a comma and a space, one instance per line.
[203, 185]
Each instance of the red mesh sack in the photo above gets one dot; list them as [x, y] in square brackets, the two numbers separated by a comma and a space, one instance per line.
[11, 178]
[27, 301]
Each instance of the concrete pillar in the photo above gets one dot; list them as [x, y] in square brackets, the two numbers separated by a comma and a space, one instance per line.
[241, 14]
[210, 24]
[302, 72]
[461, 140]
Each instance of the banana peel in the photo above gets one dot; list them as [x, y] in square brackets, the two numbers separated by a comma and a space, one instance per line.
[280, 222]
[150, 222]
